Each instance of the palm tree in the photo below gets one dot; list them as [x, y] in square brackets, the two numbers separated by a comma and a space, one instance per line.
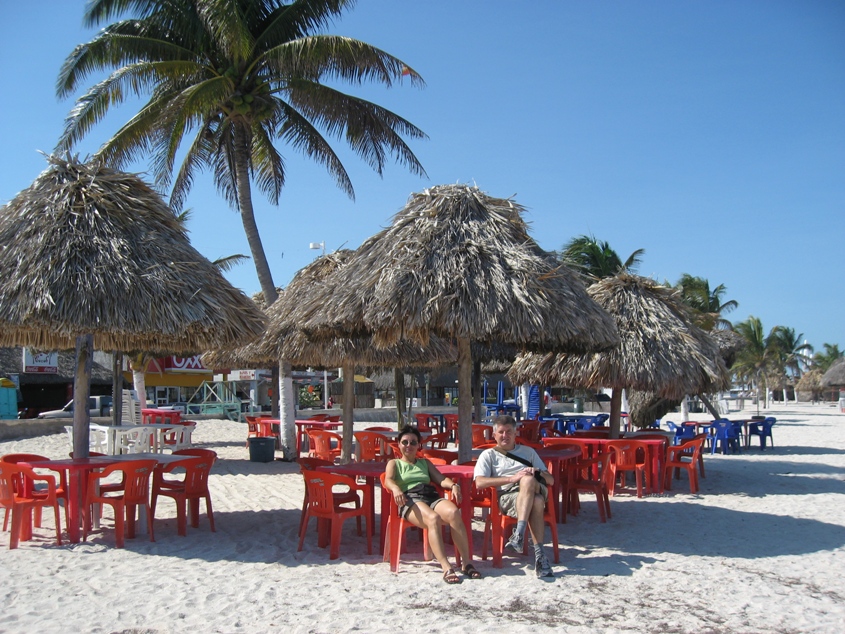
[754, 361]
[596, 260]
[823, 360]
[789, 355]
[238, 75]
[708, 304]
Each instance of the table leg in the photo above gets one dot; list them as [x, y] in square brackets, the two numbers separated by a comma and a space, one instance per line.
[75, 503]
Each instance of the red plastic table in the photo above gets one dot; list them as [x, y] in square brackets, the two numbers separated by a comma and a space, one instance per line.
[78, 469]
[559, 462]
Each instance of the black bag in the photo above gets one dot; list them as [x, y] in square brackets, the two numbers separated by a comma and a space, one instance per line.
[538, 476]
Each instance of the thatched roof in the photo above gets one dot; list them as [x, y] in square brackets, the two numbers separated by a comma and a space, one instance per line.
[283, 339]
[730, 343]
[87, 249]
[835, 375]
[661, 350]
[11, 362]
[457, 263]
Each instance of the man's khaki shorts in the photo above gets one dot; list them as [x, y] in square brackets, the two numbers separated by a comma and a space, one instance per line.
[508, 495]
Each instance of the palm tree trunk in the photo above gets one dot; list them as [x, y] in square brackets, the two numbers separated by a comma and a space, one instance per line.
[464, 400]
[265, 279]
[138, 364]
[287, 412]
[117, 388]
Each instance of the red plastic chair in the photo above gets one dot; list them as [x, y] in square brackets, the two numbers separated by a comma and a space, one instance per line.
[437, 441]
[18, 497]
[451, 424]
[319, 486]
[372, 446]
[597, 485]
[197, 451]
[378, 429]
[481, 435]
[320, 444]
[190, 489]
[136, 492]
[441, 454]
[340, 497]
[61, 485]
[426, 422]
[395, 535]
[321, 418]
[529, 430]
[627, 455]
[498, 524]
[683, 456]
[256, 429]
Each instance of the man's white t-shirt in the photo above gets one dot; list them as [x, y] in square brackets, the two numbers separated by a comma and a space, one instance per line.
[494, 464]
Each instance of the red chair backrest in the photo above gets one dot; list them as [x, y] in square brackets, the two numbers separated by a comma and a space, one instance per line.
[136, 479]
[627, 453]
[196, 451]
[371, 443]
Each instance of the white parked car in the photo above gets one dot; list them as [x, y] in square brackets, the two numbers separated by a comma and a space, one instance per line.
[97, 406]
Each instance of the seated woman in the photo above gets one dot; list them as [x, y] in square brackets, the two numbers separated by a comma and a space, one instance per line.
[409, 479]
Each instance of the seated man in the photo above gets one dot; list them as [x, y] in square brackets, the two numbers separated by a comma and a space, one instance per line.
[517, 471]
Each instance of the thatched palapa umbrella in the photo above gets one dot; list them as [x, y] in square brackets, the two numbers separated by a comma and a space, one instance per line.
[835, 375]
[92, 257]
[458, 264]
[284, 336]
[661, 351]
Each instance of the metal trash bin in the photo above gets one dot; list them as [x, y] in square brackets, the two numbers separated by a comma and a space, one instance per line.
[579, 405]
[262, 448]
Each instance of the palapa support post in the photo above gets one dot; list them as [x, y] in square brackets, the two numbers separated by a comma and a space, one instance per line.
[464, 399]
[348, 405]
[81, 391]
[476, 391]
[117, 388]
[615, 412]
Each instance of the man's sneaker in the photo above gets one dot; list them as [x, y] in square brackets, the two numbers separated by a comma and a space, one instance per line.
[543, 568]
[516, 541]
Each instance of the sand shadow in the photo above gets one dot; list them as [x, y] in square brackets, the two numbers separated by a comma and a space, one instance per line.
[708, 531]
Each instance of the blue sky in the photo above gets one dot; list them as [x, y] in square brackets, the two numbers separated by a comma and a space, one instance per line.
[711, 134]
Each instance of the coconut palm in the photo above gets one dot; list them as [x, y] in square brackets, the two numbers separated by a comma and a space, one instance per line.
[755, 360]
[596, 260]
[238, 75]
[790, 354]
[708, 303]
[831, 354]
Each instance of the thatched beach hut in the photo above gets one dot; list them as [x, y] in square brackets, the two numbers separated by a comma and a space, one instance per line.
[660, 351]
[835, 375]
[92, 257]
[458, 264]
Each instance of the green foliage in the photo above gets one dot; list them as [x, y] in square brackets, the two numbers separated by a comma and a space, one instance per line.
[596, 260]
[706, 303]
[823, 360]
[310, 399]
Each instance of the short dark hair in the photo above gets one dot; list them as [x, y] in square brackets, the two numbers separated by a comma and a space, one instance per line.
[504, 419]
[409, 429]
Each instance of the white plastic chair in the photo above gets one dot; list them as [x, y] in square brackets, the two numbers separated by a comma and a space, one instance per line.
[98, 439]
[131, 408]
[133, 440]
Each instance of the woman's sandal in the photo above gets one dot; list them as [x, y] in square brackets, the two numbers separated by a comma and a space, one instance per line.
[451, 577]
[470, 572]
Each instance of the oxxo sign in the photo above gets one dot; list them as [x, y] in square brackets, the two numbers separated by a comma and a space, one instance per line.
[183, 364]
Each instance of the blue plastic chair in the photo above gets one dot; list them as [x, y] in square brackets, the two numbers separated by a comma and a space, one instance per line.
[682, 432]
[763, 429]
[724, 433]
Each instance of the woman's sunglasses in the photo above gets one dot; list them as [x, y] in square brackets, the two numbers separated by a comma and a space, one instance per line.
[412, 443]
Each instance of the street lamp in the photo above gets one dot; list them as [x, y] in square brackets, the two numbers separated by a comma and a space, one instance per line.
[322, 246]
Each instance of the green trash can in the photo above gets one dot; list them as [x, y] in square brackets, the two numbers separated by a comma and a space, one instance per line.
[262, 449]
[579, 405]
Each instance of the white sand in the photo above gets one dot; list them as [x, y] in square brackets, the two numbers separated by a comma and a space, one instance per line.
[760, 549]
